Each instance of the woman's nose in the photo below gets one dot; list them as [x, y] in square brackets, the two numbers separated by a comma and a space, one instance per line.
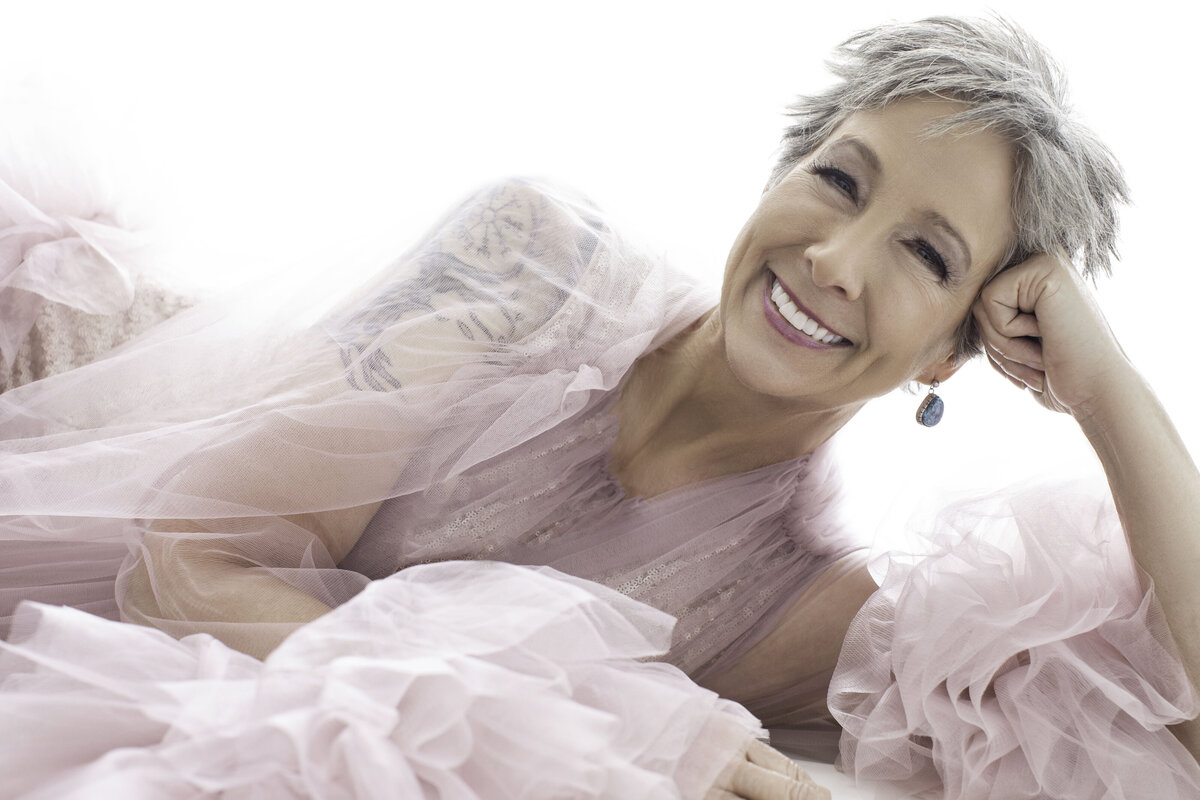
[839, 262]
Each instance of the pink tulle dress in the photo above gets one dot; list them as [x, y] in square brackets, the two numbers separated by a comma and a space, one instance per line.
[494, 630]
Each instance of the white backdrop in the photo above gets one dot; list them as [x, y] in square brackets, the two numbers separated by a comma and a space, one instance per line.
[300, 134]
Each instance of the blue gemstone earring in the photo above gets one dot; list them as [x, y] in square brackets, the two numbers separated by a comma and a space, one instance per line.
[929, 413]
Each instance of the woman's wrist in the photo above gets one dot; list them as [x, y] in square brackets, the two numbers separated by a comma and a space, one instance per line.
[1120, 397]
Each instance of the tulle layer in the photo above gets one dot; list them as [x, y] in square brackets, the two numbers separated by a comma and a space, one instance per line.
[255, 424]
[1022, 656]
[455, 680]
[63, 239]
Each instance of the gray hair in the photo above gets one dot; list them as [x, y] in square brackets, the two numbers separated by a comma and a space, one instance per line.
[1066, 183]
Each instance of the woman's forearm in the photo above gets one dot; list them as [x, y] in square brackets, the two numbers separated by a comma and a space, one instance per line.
[195, 587]
[198, 576]
[1156, 487]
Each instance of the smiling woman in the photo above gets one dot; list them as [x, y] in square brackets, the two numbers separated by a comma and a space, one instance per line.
[855, 235]
[845, 237]
[421, 532]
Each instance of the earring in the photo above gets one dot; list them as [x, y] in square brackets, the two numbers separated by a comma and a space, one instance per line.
[929, 413]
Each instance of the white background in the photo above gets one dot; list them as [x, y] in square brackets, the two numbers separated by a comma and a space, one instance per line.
[293, 134]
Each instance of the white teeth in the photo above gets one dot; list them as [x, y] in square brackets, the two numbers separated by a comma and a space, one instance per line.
[798, 319]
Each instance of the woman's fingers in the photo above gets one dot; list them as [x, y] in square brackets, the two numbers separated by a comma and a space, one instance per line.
[768, 757]
[753, 782]
[767, 774]
[1002, 305]
[762, 773]
[1020, 351]
[1018, 342]
[1000, 370]
[1023, 375]
[1014, 350]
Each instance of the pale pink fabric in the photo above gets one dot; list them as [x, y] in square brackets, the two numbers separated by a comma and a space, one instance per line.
[454, 681]
[723, 556]
[64, 239]
[468, 385]
[1018, 654]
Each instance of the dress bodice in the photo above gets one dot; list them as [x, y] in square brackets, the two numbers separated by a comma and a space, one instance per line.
[723, 556]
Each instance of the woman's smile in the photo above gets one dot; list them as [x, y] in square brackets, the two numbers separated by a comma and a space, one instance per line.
[795, 322]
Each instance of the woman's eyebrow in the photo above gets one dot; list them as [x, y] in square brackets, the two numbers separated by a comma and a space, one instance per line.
[864, 151]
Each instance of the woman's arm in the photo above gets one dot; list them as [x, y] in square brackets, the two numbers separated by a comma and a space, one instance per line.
[1157, 492]
[210, 584]
[787, 673]
[1156, 487]
[229, 575]
[1042, 330]
[802, 649]
[250, 528]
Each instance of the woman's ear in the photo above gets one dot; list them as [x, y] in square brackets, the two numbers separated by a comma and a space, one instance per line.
[941, 371]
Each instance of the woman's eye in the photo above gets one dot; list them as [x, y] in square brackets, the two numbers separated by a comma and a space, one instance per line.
[839, 179]
[926, 252]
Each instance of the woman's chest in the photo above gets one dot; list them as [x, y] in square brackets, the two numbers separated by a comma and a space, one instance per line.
[553, 487]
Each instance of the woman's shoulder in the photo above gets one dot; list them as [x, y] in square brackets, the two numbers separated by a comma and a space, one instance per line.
[517, 270]
[514, 222]
[515, 238]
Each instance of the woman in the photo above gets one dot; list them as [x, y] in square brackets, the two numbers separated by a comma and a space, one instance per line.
[524, 388]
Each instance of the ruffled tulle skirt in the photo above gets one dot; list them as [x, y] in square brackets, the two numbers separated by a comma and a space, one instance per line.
[454, 680]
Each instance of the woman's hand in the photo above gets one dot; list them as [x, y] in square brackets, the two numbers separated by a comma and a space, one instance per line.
[1042, 330]
[762, 773]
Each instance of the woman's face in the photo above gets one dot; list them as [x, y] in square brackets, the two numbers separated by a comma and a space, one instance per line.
[882, 237]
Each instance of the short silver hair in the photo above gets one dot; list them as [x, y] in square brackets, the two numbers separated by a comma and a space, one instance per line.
[1066, 185]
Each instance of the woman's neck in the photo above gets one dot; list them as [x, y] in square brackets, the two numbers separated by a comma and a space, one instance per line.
[685, 417]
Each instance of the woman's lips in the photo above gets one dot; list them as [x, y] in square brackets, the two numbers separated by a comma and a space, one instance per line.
[795, 321]
[808, 313]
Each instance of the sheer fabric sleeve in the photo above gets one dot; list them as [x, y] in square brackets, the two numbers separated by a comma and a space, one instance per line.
[253, 433]
[1019, 654]
[238, 434]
